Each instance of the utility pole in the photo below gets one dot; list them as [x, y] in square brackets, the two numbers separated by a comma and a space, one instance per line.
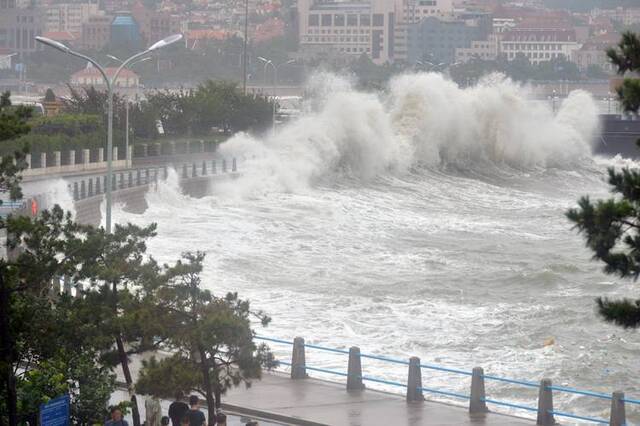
[244, 46]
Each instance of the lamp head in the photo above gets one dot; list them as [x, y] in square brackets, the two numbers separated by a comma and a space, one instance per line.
[265, 60]
[165, 42]
[115, 58]
[52, 43]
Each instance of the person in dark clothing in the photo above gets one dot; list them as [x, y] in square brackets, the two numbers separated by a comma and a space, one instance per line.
[178, 409]
[116, 418]
[196, 417]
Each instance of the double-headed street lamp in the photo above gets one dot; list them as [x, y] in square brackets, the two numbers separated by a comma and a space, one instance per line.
[110, 83]
[268, 62]
[126, 107]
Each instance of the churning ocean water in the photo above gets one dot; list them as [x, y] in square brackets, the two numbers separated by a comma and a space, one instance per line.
[424, 221]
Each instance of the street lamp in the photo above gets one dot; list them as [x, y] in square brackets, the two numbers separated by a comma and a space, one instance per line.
[268, 62]
[126, 108]
[109, 82]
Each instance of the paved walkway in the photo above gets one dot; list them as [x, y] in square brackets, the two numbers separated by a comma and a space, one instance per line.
[315, 402]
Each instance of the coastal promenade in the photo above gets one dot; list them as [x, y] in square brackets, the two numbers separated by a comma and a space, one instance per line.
[316, 402]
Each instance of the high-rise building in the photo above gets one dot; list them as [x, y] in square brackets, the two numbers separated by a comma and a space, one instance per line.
[19, 27]
[69, 16]
[96, 32]
[155, 25]
[350, 28]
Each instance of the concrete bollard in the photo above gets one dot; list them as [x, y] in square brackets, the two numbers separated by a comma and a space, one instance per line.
[130, 179]
[234, 166]
[121, 180]
[298, 363]
[354, 372]
[213, 167]
[86, 156]
[75, 191]
[618, 415]
[184, 171]
[148, 176]
[56, 158]
[115, 153]
[477, 402]
[224, 165]
[414, 381]
[43, 160]
[27, 158]
[100, 155]
[98, 190]
[545, 404]
[72, 158]
[194, 172]
[90, 188]
[83, 190]
[204, 168]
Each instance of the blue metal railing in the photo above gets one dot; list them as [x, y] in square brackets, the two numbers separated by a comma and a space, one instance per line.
[449, 393]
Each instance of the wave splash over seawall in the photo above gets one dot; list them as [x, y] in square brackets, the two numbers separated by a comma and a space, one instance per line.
[422, 120]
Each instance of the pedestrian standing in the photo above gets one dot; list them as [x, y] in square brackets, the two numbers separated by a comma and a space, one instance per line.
[116, 418]
[178, 409]
[196, 417]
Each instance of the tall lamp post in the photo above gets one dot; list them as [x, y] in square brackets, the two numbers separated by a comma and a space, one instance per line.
[126, 108]
[110, 83]
[268, 62]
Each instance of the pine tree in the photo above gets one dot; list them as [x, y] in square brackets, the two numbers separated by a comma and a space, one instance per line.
[612, 227]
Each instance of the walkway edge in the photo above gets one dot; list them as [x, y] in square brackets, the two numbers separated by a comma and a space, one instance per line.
[267, 415]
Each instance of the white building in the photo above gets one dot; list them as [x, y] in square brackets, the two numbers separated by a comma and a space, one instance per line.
[539, 45]
[480, 49]
[69, 16]
[347, 28]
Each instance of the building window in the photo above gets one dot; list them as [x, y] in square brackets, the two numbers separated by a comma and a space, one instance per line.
[326, 20]
[314, 20]
[378, 20]
[352, 20]
[338, 20]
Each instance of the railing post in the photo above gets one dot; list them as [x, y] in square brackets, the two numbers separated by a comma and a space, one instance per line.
[194, 172]
[98, 179]
[90, 187]
[121, 180]
[115, 153]
[414, 381]
[298, 363]
[28, 160]
[184, 171]
[204, 168]
[83, 190]
[86, 156]
[213, 167]
[224, 165]
[545, 404]
[76, 195]
[477, 402]
[618, 415]
[43, 160]
[72, 157]
[100, 155]
[130, 179]
[166, 172]
[56, 159]
[234, 166]
[354, 372]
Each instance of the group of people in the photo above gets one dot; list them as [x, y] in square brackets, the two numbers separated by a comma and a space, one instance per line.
[180, 414]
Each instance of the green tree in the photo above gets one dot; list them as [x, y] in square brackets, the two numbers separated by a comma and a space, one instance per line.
[210, 337]
[612, 227]
[626, 57]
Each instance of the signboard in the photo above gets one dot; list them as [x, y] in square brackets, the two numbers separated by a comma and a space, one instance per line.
[55, 412]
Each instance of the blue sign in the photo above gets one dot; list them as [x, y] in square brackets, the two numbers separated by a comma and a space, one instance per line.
[56, 412]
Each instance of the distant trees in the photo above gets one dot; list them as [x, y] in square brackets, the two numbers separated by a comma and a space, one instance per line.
[612, 227]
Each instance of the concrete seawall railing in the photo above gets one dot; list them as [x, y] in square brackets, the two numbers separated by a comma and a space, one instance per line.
[74, 162]
[477, 398]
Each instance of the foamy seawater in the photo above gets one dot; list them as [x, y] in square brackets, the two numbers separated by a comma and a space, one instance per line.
[425, 222]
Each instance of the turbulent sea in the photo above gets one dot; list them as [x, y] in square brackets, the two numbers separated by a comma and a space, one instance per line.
[425, 221]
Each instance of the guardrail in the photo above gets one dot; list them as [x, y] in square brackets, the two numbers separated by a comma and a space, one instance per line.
[476, 398]
[93, 186]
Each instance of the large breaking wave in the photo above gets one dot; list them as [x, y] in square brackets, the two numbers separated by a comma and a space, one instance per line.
[420, 120]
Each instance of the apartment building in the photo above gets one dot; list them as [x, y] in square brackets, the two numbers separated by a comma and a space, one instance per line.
[96, 32]
[19, 27]
[539, 45]
[412, 11]
[155, 25]
[348, 28]
[69, 16]
[486, 50]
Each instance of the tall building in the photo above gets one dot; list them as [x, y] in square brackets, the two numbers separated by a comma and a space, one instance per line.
[19, 27]
[125, 32]
[413, 11]
[350, 28]
[69, 16]
[436, 40]
[155, 25]
[96, 32]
